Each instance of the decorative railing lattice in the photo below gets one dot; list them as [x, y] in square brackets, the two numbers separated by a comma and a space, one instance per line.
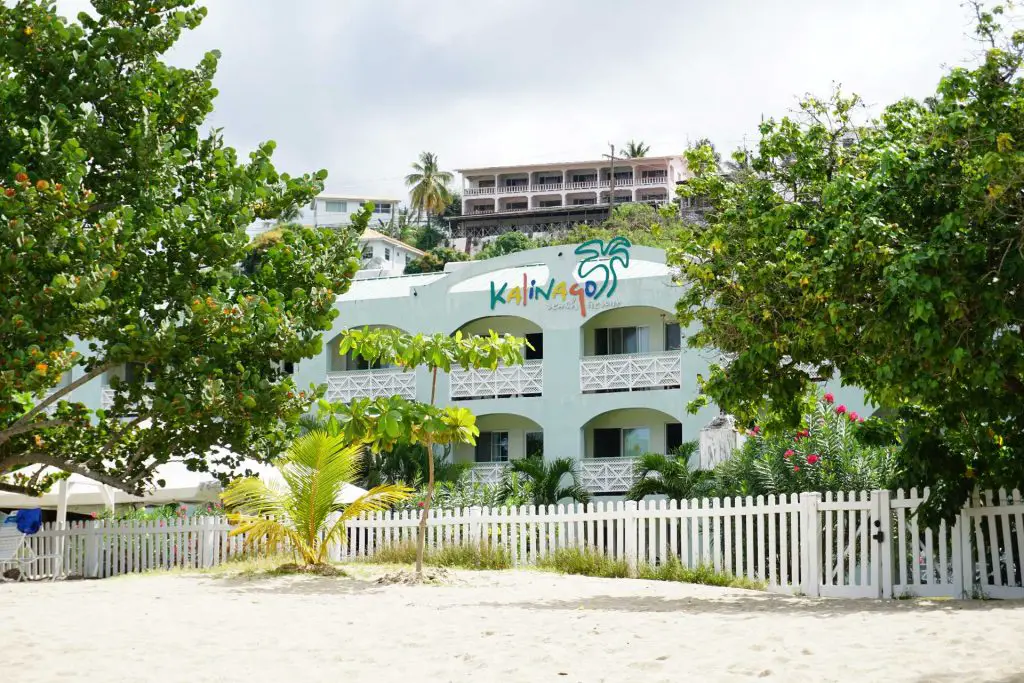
[345, 386]
[628, 372]
[504, 381]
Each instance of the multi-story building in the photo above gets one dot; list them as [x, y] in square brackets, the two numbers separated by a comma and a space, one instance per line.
[536, 197]
[605, 378]
[334, 210]
[384, 256]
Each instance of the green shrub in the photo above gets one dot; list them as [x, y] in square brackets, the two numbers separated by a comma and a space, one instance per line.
[673, 570]
[586, 562]
[479, 557]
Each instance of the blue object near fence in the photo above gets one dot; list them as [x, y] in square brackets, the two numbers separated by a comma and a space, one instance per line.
[29, 521]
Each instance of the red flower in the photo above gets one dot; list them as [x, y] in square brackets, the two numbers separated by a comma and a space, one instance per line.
[789, 453]
[861, 419]
[796, 468]
[9, 192]
[93, 515]
[812, 458]
[840, 410]
[829, 398]
[756, 430]
[853, 417]
[419, 504]
[806, 433]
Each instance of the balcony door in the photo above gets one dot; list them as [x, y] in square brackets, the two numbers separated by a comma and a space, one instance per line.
[610, 341]
[492, 447]
[536, 340]
[628, 442]
[354, 362]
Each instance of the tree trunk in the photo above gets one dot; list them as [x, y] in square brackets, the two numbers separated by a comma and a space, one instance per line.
[421, 540]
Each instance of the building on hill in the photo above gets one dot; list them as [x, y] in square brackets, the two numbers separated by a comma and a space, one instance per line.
[385, 256]
[544, 198]
[334, 210]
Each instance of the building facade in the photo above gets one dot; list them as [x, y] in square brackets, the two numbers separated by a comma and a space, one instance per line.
[335, 210]
[384, 256]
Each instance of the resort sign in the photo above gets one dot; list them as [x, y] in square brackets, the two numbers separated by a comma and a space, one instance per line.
[599, 262]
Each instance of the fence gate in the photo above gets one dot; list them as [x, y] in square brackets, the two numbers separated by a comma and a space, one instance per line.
[854, 544]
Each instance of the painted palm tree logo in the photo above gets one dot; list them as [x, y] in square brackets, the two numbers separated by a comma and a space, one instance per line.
[603, 257]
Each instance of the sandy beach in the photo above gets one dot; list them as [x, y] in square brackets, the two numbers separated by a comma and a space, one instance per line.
[504, 626]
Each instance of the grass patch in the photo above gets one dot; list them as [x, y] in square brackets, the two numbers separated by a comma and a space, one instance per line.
[476, 557]
[674, 570]
[585, 562]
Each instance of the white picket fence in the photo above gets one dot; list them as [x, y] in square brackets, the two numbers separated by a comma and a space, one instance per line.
[866, 544]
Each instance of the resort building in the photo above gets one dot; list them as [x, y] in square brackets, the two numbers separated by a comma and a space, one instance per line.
[334, 210]
[383, 255]
[541, 198]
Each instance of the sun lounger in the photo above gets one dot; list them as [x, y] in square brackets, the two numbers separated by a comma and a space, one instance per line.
[14, 549]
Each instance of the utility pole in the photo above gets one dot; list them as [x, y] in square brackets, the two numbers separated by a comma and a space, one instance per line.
[611, 179]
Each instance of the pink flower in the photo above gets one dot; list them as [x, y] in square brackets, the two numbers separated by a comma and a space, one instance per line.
[789, 453]
[419, 504]
[94, 515]
[806, 433]
[796, 468]
[756, 430]
[840, 409]
[829, 398]
[853, 417]
[861, 419]
[812, 458]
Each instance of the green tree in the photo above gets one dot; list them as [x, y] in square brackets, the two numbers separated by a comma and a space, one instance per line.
[122, 223]
[507, 243]
[635, 150]
[435, 260]
[642, 224]
[889, 254]
[701, 143]
[672, 475]
[304, 508]
[429, 186]
[547, 483]
[385, 422]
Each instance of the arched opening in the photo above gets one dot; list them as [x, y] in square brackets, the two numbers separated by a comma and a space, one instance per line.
[631, 348]
[503, 437]
[350, 376]
[520, 381]
[614, 439]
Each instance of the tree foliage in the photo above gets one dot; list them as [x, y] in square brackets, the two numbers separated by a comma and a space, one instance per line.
[435, 260]
[122, 223]
[890, 254]
[546, 483]
[428, 185]
[507, 243]
[642, 224]
[672, 476]
[304, 507]
[635, 150]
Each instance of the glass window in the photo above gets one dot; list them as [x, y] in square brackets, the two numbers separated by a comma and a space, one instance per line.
[672, 338]
[492, 447]
[534, 444]
[673, 436]
[636, 442]
[607, 443]
[382, 208]
[387, 253]
[619, 340]
[336, 207]
[368, 252]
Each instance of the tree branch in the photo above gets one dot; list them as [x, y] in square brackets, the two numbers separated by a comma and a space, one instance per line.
[56, 396]
[36, 458]
[12, 432]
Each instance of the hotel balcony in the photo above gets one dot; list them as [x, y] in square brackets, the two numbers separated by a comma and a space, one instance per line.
[503, 382]
[486, 473]
[631, 372]
[606, 475]
[381, 383]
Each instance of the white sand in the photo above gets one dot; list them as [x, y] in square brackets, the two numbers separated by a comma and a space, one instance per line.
[507, 626]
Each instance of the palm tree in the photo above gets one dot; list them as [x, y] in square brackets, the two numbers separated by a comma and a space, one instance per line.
[655, 474]
[289, 214]
[430, 193]
[544, 482]
[635, 150]
[304, 509]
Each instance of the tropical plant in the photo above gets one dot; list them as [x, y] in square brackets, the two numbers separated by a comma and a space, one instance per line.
[289, 214]
[430, 194]
[889, 254]
[641, 224]
[407, 464]
[602, 256]
[506, 243]
[123, 221]
[435, 260]
[546, 481]
[304, 509]
[381, 423]
[823, 454]
[635, 150]
[671, 475]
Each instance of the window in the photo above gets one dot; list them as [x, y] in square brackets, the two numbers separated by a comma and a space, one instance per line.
[672, 337]
[616, 340]
[673, 436]
[536, 340]
[516, 182]
[584, 177]
[485, 184]
[354, 362]
[515, 206]
[549, 179]
[387, 253]
[407, 259]
[382, 208]
[654, 174]
[288, 367]
[623, 175]
[534, 444]
[620, 199]
[550, 202]
[583, 202]
[630, 442]
[336, 207]
[492, 447]
[636, 442]
[368, 252]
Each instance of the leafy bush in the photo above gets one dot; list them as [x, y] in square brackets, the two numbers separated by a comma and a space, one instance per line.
[673, 570]
[825, 455]
[434, 260]
[585, 562]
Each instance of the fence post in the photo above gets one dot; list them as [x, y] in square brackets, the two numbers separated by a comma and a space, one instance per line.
[630, 545]
[209, 542]
[91, 570]
[474, 525]
[810, 563]
[881, 557]
[963, 580]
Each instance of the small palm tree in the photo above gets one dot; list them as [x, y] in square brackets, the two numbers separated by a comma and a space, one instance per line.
[655, 474]
[289, 214]
[304, 509]
[544, 482]
[430, 193]
[635, 150]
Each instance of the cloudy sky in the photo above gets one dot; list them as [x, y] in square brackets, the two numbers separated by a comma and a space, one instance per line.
[360, 87]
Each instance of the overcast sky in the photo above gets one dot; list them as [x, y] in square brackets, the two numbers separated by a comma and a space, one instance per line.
[360, 87]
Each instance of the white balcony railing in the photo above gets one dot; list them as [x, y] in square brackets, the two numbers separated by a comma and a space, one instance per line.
[513, 189]
[606, 475]
[585, 185]
[656, 180]
[107, 395]
[628, 372]
[384, 383]
[478, 191]
[619, 182]
[511, 380]
[547, 187]
[515, 209]
[481, 211]
[486, 472]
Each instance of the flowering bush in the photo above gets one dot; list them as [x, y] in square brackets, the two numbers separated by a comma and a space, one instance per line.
[824, 455]
[163, 512]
